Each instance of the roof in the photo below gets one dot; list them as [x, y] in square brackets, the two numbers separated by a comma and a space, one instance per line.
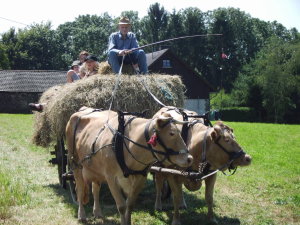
[152, 57]
[30, 80]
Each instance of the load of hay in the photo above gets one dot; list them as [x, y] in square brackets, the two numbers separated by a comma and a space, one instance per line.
[96, 91]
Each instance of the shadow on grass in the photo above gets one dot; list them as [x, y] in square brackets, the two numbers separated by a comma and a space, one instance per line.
[195, 214]
[106, 202]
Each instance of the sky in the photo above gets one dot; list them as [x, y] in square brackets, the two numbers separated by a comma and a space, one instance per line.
[19, 13]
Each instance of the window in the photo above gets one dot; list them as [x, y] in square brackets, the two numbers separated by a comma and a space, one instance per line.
[167, 63]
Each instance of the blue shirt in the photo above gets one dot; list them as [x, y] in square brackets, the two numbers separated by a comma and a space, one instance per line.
[117, 43]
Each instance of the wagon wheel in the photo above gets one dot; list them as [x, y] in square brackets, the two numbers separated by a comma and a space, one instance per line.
[72, 185]
[166, 189]
[61, 158]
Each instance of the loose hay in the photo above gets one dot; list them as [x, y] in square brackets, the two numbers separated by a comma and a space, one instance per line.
[105, 69]
[96, 91]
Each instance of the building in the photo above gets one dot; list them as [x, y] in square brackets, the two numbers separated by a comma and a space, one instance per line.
[198, 89]
[18, 88]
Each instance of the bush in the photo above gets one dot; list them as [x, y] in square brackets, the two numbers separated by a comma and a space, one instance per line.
[221, 99]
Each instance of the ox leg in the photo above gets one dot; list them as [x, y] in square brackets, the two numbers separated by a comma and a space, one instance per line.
[209, 193]
[82, 193]
[96, 191]
[176, 187]
[119, 199]
[159, 181]
[135, 189]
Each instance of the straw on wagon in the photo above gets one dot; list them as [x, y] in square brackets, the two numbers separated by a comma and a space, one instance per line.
[96, 91]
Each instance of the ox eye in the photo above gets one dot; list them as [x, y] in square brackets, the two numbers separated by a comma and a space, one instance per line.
[172, 133]
[226, 139]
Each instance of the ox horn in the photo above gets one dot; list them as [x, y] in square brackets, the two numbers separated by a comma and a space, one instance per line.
[180, 121]
[173, 120]
[164, 118]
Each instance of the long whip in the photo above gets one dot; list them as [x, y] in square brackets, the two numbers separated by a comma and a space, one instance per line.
[173, 39]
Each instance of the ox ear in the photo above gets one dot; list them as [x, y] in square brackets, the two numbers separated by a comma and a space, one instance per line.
[163, 119]
[216, 132]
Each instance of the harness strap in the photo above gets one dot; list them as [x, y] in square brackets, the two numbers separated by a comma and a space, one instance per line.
[232, 155]
[204, 117]
[118, 141]
[203, 155]
[185, 127]
[147, 137]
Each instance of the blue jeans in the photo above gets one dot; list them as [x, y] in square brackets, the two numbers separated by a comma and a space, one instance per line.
[136, 57]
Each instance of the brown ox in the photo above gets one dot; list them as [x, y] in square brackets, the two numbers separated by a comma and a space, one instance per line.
[221, 149]
[90, 143]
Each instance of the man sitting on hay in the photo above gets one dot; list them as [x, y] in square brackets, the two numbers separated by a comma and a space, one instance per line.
[121, 44]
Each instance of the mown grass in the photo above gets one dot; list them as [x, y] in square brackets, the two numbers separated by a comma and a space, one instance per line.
[11, 193]
[267, 192]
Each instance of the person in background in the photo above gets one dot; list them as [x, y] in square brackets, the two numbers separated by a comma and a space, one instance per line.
[121, 44]
[82, 56]
[91, 65]
[73, 73]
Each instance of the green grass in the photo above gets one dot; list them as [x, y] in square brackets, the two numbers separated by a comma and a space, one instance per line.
[267, 192]
[12, 193]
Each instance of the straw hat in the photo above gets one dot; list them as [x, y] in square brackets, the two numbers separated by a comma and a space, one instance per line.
[124, 20]
[75, 63]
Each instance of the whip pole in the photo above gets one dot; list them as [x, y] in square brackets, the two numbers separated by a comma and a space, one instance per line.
[173, 39]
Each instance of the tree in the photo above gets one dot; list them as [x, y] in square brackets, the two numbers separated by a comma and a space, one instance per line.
[88, 32]
[272, 81]
[35, 47]
[4, 63]
[155, 24]
[9, 41]
[193, 50]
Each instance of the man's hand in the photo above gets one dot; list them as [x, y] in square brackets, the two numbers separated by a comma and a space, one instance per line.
[124, 52]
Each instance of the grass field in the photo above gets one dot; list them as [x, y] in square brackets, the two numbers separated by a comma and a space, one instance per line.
[267, 192]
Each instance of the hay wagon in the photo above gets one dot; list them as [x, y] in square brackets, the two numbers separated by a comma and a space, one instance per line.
[64, 100]
[66, 180]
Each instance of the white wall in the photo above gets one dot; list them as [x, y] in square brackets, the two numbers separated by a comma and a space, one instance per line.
[198, 105]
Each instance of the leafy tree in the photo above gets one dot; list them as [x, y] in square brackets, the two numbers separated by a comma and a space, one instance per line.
[88, 32]
[9, 41]
[35, 47]
[193, 50]
[4, 63]
[272, 81]
[154, 25]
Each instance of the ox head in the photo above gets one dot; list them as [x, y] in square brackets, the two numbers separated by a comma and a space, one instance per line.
[167, 138]
[225, 149]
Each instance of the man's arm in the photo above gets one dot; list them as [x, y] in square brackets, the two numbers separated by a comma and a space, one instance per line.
[112, 45]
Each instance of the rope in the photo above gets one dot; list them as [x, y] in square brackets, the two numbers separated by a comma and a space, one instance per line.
[117, 81]
[145, 86]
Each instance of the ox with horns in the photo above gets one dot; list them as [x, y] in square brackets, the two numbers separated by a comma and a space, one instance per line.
[213, 148]
[94, 154]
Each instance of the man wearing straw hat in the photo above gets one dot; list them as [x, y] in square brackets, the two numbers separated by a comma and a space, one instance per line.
[121, 44]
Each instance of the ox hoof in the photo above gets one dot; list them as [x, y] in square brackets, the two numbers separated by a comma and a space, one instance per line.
[158, 207]
[212, 222]
[82, 220]
[183, 206]
[177, 222]
[98, 215]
